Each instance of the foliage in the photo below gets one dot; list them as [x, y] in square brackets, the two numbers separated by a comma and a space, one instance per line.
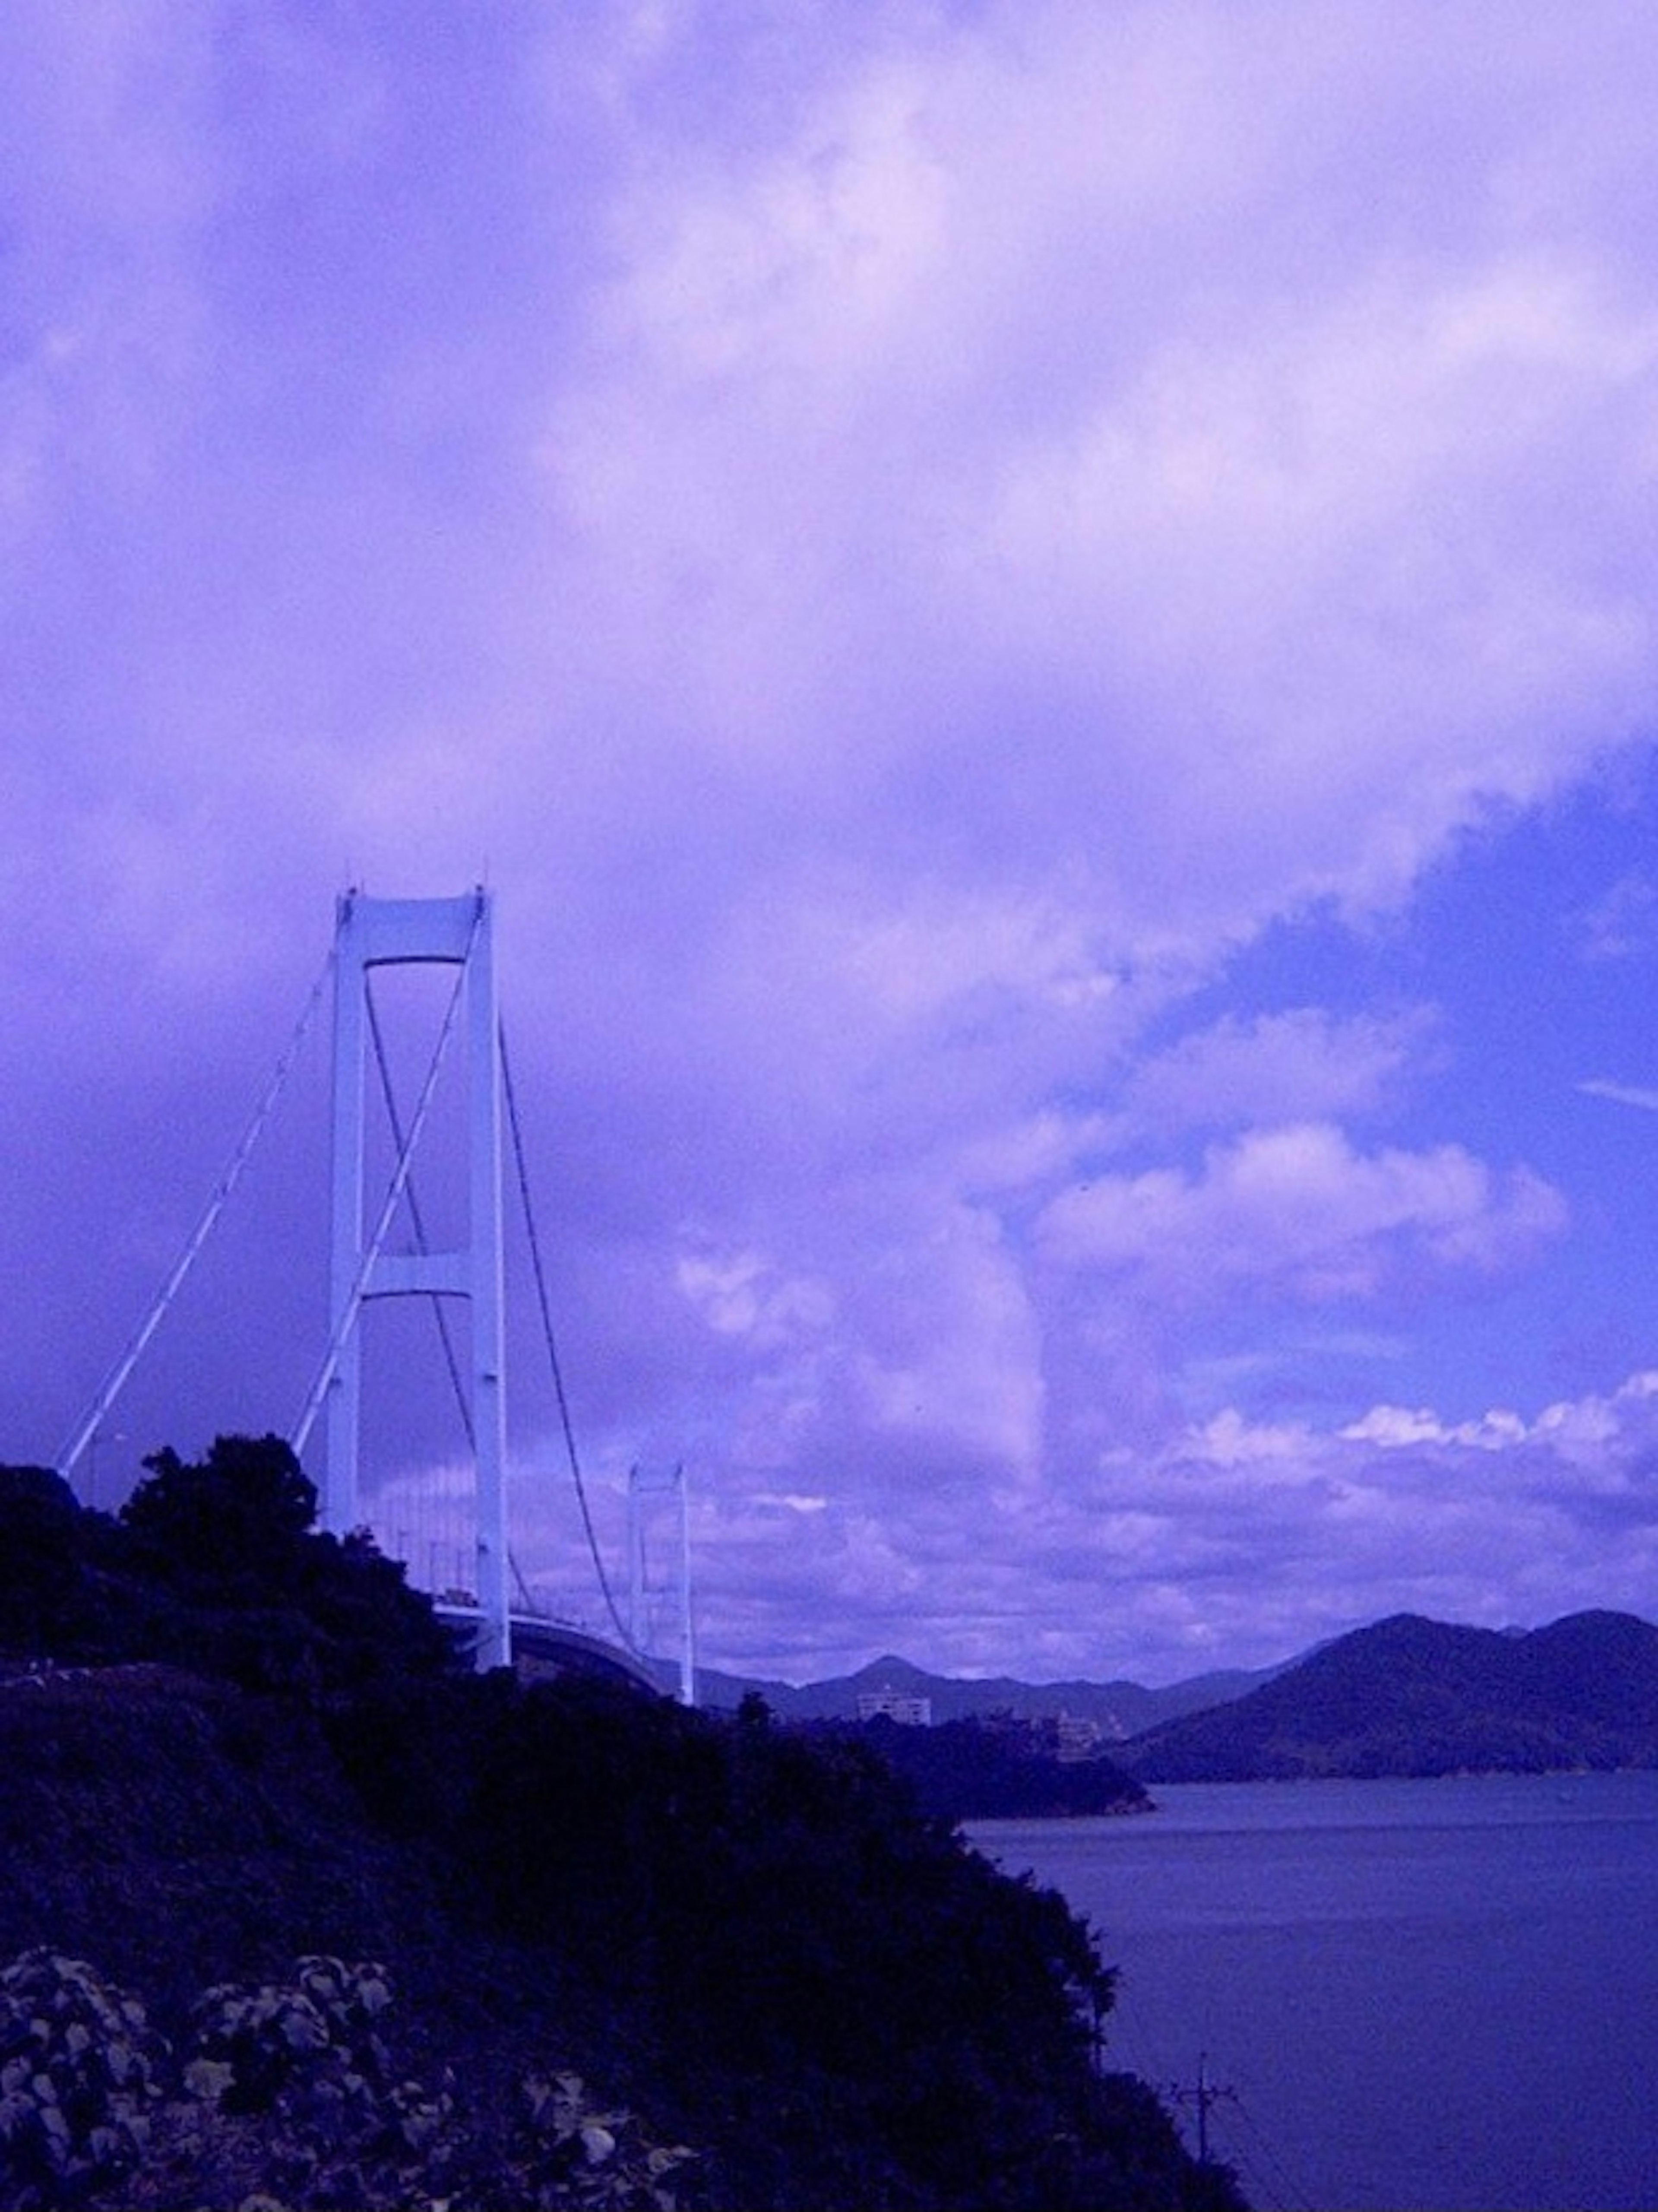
[242, 1510]
[306, 2059]
[1408, 1696]
[315, 2038]
[77, 2080]
[569, 2150]
[966, 1769]
[39, 1558]
[287, 2085]
[899, 2012]
[211, 1564]
[763, 1926]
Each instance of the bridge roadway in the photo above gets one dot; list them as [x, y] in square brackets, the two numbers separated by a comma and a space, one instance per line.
[543, 1648]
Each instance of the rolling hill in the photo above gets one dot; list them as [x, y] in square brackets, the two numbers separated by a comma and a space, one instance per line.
[1409, 1696]
[1120, 1708]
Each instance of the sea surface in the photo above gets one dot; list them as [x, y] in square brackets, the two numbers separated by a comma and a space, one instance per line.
[1412, 1993]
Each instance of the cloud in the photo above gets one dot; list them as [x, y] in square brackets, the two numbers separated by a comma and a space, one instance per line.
[1237, 1542]
[1296, 1212]
[903, 552]
[1620, 925]
[1622, 1094]
[1221, 581]
[1300, 1065]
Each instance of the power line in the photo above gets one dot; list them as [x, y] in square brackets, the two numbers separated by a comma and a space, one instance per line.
[1279, 2175]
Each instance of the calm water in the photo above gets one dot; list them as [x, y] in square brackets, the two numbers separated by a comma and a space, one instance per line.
[1423, 1994]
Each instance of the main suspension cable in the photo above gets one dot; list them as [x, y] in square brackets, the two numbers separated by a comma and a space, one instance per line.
[514, 1124]
[115, 1382]
[423, 1243]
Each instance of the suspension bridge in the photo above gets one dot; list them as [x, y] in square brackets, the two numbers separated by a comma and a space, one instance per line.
[488, 1601]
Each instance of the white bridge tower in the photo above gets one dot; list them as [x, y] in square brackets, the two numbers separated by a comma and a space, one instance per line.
[373, 933]
[647, 1486]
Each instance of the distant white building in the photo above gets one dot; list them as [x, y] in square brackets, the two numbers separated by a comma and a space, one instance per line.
[1077, 1738]
[901, 1705]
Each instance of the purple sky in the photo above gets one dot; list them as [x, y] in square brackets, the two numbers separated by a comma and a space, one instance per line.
[1041, 618]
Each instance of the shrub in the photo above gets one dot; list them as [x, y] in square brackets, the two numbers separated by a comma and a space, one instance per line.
[310, 2046]
[78, 2080]
[569, 2151]
[290, 2100]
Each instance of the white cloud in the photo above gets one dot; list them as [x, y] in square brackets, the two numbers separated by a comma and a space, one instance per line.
[897, 549]
[741, 1295]
[1300, 1066]
[1231, 580]
[1296, 1211]
[1621, 1094]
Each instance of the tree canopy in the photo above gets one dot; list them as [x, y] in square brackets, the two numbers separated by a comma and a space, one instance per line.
[215, 1564]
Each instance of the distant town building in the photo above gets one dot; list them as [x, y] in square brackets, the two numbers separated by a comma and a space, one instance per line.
[1079, 1738]
[893, 1704]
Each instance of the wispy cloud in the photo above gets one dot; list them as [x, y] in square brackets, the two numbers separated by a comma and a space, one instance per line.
[1625, 1094]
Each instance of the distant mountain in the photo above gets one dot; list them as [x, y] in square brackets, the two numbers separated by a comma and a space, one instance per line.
[1120, 1710]
[1414, 1696]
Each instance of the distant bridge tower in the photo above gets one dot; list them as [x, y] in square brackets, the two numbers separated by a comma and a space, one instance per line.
[394, 932]
[648, 1485]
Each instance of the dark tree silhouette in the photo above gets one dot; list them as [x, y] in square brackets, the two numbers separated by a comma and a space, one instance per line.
[241, 1510]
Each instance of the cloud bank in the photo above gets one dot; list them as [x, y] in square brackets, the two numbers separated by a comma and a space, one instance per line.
[912, 550]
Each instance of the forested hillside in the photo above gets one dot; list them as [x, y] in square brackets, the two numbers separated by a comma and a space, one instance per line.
[975, 1770]
[302, 1908]
[1118, 1709]
[1412, 1697]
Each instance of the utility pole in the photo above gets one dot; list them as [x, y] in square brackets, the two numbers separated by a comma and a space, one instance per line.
[1205, 2093]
